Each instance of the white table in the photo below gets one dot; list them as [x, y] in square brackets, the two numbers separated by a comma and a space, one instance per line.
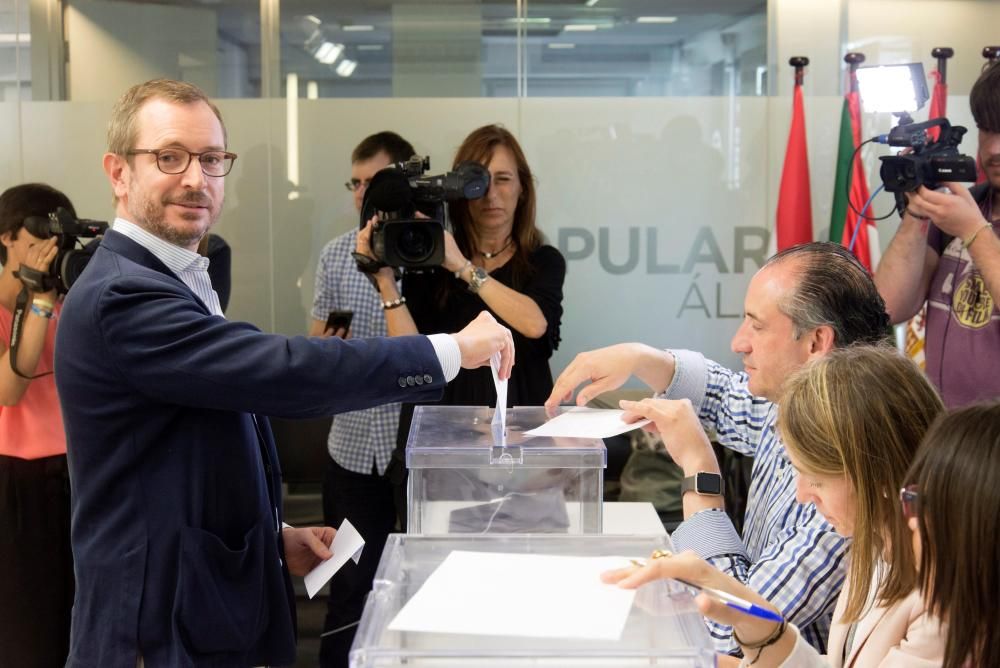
[632, 518]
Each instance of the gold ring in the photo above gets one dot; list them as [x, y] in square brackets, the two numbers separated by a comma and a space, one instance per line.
[662, 554]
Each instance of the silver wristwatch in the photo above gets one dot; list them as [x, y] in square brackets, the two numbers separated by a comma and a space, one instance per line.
[478, 278]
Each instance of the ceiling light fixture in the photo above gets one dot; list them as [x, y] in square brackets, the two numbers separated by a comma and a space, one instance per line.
[346, 67]
[359, 28]
[656, 19]
[541, 20]
[328, 52]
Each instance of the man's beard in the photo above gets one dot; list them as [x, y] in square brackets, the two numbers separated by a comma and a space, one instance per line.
[152, 215]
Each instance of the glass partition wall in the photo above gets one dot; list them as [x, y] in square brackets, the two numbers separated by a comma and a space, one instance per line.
[656, 130]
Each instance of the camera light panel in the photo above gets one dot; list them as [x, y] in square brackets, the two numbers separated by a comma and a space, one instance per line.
[892, 88]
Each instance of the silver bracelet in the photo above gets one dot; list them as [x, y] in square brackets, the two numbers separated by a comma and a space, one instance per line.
[395, 303]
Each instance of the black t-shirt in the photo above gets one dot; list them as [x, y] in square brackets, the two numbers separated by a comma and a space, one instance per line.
[441, 303]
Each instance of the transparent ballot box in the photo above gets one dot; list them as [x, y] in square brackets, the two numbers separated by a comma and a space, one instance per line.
[467, 478]
[659, 627]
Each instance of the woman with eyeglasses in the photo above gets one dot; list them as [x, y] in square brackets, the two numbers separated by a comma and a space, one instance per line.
[496, 259]
[852, 422]
[952, 504]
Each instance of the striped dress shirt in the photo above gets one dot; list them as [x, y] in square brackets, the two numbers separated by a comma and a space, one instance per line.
[788, 552]
[188, 266]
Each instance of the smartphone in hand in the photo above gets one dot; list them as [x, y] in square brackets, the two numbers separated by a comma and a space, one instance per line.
[338, 320]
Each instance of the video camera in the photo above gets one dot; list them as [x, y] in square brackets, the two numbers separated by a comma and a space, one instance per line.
[398, 192]
[929, 163]
[901, 89]
[70, 260]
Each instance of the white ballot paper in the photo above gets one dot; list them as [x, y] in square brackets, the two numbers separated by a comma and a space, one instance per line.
[529, 595]
[500, 414]
[347, 544]
[583, 422]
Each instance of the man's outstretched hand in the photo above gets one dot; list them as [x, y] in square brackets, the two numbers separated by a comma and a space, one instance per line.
[481, 339]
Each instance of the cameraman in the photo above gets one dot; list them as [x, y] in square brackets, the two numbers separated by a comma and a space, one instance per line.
[946, 252]
[495, 259]
[36, 563]
[360, 442]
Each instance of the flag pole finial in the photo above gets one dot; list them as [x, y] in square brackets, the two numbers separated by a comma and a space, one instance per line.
[991, 53]
[799, 63]
[853, 59]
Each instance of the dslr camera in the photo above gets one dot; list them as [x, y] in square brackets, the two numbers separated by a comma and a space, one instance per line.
[70, 260]
[398, 192]
[929, 163]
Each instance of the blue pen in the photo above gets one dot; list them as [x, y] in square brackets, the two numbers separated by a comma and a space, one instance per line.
[734, 602]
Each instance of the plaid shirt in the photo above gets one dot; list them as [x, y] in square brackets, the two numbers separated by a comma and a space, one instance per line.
[359, 437]
[788, 552]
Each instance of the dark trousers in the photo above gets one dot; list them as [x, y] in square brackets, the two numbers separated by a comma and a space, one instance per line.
[367, 501]
[36, 562]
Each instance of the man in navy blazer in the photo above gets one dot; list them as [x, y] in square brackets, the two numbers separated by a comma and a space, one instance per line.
[181, 558]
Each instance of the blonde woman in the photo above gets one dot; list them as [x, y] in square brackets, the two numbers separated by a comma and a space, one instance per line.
[852, 421]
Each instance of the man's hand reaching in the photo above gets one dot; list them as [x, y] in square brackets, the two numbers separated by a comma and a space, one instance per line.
[481, 339]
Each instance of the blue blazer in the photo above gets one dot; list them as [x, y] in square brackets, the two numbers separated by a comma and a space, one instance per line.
[175, 482]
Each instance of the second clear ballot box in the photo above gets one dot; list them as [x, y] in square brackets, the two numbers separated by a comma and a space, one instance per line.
[466, 477]
[660, 627]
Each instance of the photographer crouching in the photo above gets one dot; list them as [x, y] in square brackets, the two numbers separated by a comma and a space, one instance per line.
[36, 587]
[494, 258]
[946, 252]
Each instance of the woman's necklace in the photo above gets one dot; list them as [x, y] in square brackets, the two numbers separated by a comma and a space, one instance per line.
[490, 256]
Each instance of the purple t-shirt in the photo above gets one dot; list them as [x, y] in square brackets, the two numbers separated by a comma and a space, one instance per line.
[963, 322]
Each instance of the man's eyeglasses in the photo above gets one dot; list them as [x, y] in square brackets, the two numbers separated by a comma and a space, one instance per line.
[176, 160]
[355, 184]
[909, 497]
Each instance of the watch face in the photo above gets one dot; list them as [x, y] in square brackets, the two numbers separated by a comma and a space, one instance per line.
[709, 483]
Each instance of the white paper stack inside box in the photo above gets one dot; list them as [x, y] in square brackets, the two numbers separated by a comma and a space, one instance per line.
[661, 626]
[465, 477]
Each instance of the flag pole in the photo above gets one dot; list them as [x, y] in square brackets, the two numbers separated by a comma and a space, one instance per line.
[943, 53]
[799, 63]
[853, 59]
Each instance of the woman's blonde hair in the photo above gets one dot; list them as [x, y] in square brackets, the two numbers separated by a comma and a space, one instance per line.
[861, 412]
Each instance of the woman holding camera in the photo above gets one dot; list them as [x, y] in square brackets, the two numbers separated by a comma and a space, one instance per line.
[495, 259]
[852, 422]
[36, 564]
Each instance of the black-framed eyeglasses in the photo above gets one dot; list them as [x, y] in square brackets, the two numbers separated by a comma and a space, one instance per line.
[356, 184]
[177, 160]
[909, 497]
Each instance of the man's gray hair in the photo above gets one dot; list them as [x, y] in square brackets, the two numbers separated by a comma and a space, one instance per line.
[835, 290]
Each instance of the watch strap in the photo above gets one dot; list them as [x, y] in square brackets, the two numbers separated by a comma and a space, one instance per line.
[692, 484]
[478, 278]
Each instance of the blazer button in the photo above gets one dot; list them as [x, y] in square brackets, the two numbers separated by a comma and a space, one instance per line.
[402, 382]
[428, 379]
[419, 380]
[410, 381]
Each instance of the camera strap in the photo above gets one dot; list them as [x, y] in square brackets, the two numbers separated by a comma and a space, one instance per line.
[20, 308]
[35, 280]
[369, 266]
